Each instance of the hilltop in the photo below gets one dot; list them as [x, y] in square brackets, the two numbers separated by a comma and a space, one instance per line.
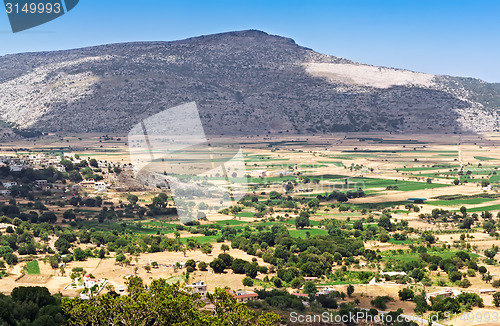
[245, 82]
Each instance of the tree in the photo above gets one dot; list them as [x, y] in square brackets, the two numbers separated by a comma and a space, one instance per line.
[385, 222]
[384, 237]
[206, 248]
[93, 163]
[456, 182]
[224, 248]
[218, 265]
[120, 257]
[79, 254]
[274, 195]
[465, 283]
[251, 270]
[297, 282]
[496, 299]
[302, 220]
[238, 266]
[247, 281]
[455, 276]
[133, 199]
[69, 215]
[467, 223]
[358, 225]
[313, 203]
[75, 176]
[463, 210]
[161, 303]
[191, 263]
[350, 290]
[490, 253]
[310, 288]
[380, 302]
[202, 266]
[406, 294]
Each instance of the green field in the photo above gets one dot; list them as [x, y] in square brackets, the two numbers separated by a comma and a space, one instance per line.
[407, 257]
[459, 202]
[33, 268]
[484, 208]
[202, 239]
[303, 233]
[402, 185]
[495, 179]
[483, 158]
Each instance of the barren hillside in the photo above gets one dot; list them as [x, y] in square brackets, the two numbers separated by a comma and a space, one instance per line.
[244, 82]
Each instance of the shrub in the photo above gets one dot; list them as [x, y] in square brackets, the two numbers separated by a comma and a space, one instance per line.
[380, 302]
[465, 283]
[406, 294]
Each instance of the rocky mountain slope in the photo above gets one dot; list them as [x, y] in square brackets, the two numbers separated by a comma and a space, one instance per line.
[244, 82]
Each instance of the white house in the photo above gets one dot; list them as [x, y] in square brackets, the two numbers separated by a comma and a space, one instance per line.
[100, 186]
[88, 281]
[90, 183]
[198, 287]
[16, 168]
[245, 296]
[8, 185]
[5, 192]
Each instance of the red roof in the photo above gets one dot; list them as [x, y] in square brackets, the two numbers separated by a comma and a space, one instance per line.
[249, 295]
[300, 294]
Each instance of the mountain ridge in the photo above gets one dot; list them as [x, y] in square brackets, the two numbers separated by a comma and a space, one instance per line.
[244, 82]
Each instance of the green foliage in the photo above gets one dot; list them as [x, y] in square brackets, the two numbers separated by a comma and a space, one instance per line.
[33, 268]
[163, 304]
[406, 294]
[248, 281]
[302, 220]
[310, 287]
[31, 306]
[496, 299]
[380, 302]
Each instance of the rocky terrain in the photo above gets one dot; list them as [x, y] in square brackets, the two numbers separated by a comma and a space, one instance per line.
[244, 82]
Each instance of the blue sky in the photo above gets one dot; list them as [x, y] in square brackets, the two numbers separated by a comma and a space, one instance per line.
[441, 36]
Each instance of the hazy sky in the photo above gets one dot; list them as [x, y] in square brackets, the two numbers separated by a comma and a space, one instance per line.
[440, 36]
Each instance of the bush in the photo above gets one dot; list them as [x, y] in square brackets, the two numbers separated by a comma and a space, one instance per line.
[191, 263]
[470, 300]
[465, 283]
[202, 266]
[247, 281]
[406, 294]
[328, 301]
[455, 276]
[496, 299]
[380, 302]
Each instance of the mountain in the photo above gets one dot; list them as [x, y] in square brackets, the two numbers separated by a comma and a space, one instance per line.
[245, 82]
